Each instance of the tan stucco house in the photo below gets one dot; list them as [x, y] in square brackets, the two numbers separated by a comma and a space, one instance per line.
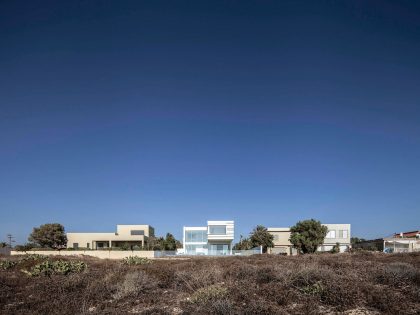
[337, 233]
[131, 235]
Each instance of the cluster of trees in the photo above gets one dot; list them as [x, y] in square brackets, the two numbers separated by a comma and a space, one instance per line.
[356, 240]
[258, 237]
[167, 243]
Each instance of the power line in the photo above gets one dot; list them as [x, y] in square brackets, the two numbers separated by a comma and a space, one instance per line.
[11, 239]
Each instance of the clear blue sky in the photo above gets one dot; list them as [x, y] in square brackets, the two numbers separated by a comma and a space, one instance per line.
[174, 112]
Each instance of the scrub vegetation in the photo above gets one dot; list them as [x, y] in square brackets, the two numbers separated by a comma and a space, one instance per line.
[357, 283]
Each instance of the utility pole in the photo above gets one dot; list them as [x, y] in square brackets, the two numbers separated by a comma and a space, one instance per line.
[11, 239]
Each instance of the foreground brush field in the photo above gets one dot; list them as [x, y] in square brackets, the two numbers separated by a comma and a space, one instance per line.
[361, 283]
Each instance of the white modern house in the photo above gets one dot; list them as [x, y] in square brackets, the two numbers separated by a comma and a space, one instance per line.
[214, 239]
[337, 233]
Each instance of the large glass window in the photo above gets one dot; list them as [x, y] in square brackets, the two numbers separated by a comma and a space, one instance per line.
[196, 236]
[217, 229]
[196, 249]
[137, 232]
[219, 249]
[330, 234]
[343, 234]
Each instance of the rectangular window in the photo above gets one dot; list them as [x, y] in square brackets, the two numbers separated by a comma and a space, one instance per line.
[75, 245]
[196, 249]
[219, 249]
[87, 245]
[330, 234]
[137, 232]
[343, 234]
[196, 236]
[217, 229]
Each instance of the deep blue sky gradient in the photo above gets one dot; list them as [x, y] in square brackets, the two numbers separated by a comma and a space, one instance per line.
[174, 112]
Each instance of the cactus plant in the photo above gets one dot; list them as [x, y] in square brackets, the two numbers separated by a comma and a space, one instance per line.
[7, 264]
[136, 260]
[48, 268]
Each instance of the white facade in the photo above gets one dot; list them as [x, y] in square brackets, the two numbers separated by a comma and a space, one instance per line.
[401, 245]
[214, 239]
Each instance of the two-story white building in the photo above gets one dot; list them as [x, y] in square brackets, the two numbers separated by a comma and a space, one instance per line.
[214, 239]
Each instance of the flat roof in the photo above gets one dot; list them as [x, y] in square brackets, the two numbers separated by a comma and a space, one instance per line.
[280, 229]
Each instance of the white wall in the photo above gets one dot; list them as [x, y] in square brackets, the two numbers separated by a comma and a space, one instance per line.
[230, 230]
[103, 254]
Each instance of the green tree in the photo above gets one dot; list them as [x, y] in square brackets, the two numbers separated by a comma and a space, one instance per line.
[49, 235]
[243, 244]
[170, 242]
[25, 247]
[261, 237]
[156, 243]
[307, 235]
[3, 244]
[355, 240]
[336, 248]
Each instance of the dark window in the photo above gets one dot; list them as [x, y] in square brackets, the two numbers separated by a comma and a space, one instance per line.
[137, 232]
[87, 245]
[75, 245]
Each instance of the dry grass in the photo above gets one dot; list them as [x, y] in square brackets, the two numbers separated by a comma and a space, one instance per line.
[361, 283]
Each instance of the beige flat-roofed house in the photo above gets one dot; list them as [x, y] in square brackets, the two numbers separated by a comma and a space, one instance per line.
[131, 235]
[337, 233]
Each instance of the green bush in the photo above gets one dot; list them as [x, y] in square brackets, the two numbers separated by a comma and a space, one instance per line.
[125, 246]
[210, 293]
[25, 247]
[29, 257]
[336, 248]
[7, 264]
[313, 289]
[63, 267]
[136, 260]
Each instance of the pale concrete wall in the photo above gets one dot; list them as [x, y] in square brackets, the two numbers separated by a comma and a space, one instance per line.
[337, 228]
[103, 254]
[125, 229]
[281, 236]
[281, 241]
